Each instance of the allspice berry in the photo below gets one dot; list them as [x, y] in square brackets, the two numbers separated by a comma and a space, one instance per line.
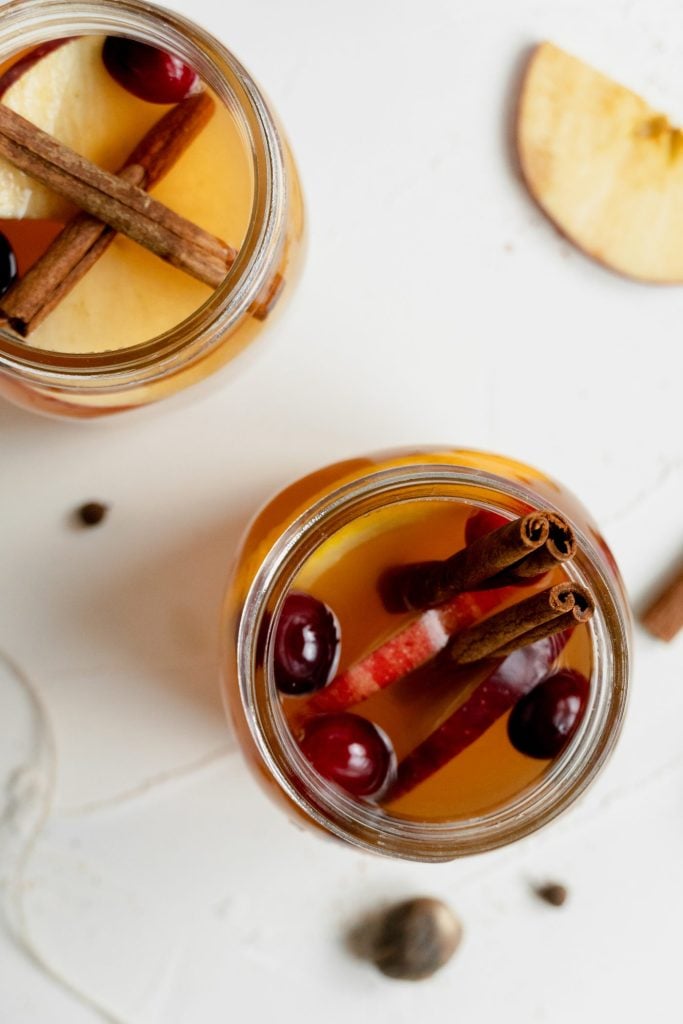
[415, 938]
[92, 513]
[553, 893]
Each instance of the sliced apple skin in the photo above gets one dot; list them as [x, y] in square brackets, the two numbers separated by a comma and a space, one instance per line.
[604, 166]
[26, 62]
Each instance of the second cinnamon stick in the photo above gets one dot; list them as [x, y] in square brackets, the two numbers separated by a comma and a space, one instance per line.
[538, 616]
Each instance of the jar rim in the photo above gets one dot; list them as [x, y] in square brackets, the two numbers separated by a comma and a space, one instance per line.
[364, 825]
[28, 22]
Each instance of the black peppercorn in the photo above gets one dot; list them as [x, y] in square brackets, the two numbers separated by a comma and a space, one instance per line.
[92, 513]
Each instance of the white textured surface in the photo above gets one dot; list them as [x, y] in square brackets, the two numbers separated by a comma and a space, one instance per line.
[435, 299]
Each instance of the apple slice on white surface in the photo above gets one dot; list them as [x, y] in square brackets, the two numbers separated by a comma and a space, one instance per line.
[604, 166]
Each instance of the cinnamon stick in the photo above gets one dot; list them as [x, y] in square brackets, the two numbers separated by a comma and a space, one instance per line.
[85, 238]
[664, 616]
[538, 616]
[423, 585]
[559, 547]
[123, 206]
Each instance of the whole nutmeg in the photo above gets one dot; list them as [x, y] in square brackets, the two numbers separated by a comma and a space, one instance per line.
[415, 938]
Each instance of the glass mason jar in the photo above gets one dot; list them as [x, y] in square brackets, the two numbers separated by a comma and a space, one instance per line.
[280, 540]
[91, 384]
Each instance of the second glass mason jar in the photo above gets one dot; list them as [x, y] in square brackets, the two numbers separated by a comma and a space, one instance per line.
[333, 518]
[92, 380]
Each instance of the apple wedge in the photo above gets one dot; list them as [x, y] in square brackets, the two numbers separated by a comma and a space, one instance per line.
[508, 681]
[604, 166]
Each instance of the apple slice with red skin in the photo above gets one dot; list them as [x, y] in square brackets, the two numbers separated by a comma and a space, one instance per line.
[405, 651]
[25, 63]
[508, 681]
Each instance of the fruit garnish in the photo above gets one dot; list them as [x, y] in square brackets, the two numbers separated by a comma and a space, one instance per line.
[21, 66]
[147, 72]
[307, 645]
[406, 650]
[8, 264]
[604, 166]
[508, 681]
[351, 752]
[543, 722]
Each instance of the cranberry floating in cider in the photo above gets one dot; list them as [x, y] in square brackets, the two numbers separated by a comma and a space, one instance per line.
[306, 645]
[544, 721]
[350, 751]
[149, 73]
[8, 264]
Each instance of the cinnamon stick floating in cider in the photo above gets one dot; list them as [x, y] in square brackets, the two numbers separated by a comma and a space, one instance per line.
[120, 204]
[553, 610]
[85, 239]
[519, 550]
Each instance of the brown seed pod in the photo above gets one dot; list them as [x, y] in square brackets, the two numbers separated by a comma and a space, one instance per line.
[553, 893]
[92, 513]
[415, 938]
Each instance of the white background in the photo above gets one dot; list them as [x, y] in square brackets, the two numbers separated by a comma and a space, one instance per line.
[437, 305]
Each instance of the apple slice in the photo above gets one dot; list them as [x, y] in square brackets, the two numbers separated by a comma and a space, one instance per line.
[15, 68]
[604, 166]
[510, 680]
[405, 651]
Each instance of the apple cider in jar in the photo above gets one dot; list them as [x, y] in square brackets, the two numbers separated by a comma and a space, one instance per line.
[431, 651]
[122, 287]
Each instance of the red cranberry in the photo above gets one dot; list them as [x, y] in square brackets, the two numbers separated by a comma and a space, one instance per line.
[350, 751]
[150, 74]
[8, 264]
[542, 723]
[306, 645]
[481, 523]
